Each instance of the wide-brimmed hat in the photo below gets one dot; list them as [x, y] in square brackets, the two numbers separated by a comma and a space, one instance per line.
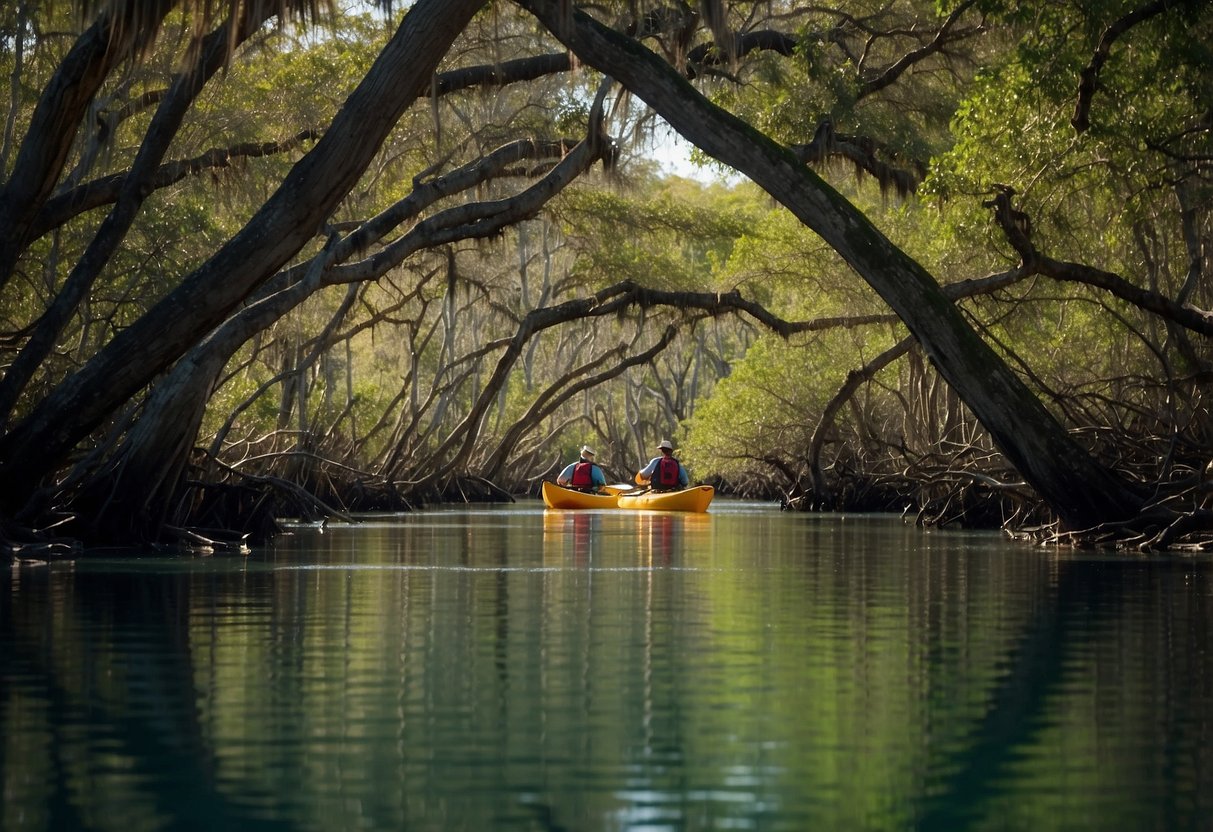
[665, 445]
[586, 449]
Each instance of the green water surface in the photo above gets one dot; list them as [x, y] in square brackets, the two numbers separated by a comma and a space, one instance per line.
[511, 668]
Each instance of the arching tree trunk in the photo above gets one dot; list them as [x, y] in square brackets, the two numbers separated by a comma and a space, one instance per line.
[141, 482]
[39, 163]
[1081, 492]
[214, 53]
[287, 221]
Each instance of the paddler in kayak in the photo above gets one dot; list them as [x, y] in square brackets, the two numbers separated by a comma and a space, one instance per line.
[583, 475]
[664, 473]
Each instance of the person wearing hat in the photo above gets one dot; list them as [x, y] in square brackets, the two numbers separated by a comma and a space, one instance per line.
[583, 475]
[664, 473]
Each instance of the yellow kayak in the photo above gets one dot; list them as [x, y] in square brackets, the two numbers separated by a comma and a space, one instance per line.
[555, 496]
[695, 498]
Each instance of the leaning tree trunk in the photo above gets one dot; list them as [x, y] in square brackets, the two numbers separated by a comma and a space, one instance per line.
[215, 52]
[131, 495]
[1080, 491]
[37, 445]
[111, 39]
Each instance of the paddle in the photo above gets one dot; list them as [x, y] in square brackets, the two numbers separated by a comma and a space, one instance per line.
[621, 489]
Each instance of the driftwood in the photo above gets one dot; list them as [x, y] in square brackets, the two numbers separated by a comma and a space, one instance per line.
[34, 547]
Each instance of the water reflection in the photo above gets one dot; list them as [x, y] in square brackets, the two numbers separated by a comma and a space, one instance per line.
[571, 536]
[527, 669]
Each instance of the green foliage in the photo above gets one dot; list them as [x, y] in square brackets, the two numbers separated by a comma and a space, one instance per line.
[1014, 127]
[1103, 197]
[993, 109]
[670, 239]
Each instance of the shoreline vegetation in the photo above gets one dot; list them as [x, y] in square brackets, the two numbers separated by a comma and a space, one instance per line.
[250, 513]
[261, 260]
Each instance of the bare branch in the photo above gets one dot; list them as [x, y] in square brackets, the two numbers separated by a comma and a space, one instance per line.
[1017, 227]
[1089, 82]
[105, 190]
[941, 39]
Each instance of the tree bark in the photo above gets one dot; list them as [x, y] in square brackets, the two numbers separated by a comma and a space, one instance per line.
[141, 482]
[216, 50]
[287, 221]
[1080, 491]
[52, 130]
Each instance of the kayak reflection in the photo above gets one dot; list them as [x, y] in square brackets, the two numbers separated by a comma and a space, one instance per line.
[569, 533]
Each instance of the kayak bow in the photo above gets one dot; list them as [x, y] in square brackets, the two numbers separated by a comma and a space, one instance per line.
[556, 496]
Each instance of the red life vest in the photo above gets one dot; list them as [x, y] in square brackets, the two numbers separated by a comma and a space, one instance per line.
[665, 476]
[583, 476]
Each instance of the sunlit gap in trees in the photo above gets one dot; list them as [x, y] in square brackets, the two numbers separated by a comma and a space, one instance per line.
[672, 154]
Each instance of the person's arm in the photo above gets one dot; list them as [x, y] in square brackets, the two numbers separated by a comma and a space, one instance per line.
[597, 477]
[684, 479]
[566, 476]
[646, 473]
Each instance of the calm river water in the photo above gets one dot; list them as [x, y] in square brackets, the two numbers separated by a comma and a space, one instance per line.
[511, 668]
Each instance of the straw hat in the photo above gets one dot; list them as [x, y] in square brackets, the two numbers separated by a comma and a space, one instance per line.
[665, 445]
